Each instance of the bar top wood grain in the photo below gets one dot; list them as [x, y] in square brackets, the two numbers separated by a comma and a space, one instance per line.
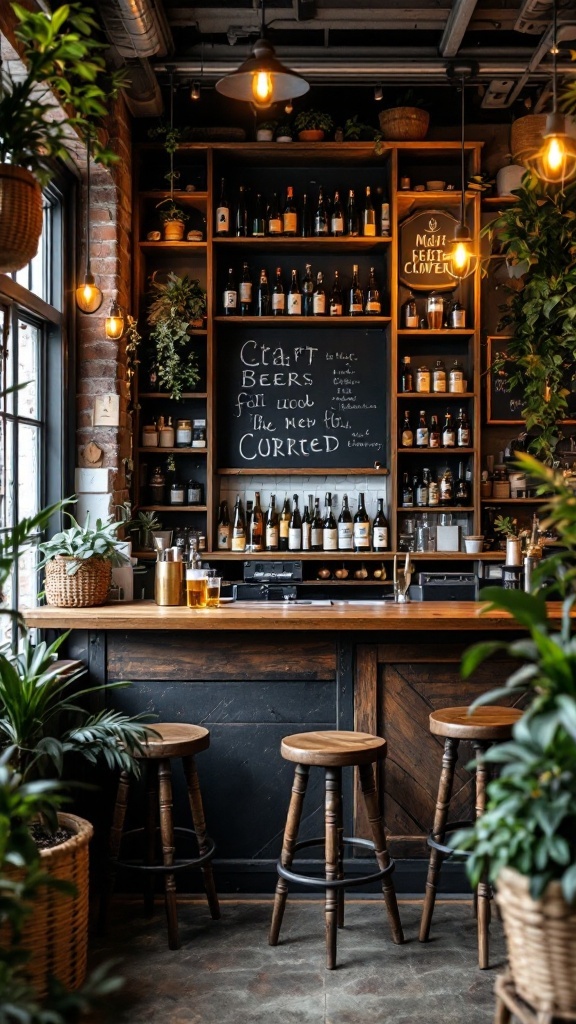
[250, 615]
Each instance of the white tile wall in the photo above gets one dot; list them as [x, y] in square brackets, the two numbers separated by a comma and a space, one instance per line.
[373, 487]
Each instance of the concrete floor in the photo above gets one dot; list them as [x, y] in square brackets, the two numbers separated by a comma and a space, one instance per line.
[225, 972]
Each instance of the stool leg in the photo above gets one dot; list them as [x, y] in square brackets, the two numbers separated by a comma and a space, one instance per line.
[287, 856]
[332, 817]
[150, 833]
[167, 837]
[380, 849]
[114, 841]
[198, 819]
[440, 819]
[340, 874]
[502, 1014]
[483, 892]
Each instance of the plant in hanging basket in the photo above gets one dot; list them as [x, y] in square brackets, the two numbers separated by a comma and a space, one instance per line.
[78, 563]
[65, 89]
[178, 304]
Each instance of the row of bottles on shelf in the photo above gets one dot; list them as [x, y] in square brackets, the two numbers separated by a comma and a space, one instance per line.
[172, 490]
[309, 530]
[439, 313]
[432, 381]
[321, 218]
[161, 433]
[308, 299]
[427, 434]
[424, 491]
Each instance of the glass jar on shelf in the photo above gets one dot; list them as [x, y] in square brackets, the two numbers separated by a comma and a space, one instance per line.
[199, 433]
[183, 433]
[193, 493]
[157, 486]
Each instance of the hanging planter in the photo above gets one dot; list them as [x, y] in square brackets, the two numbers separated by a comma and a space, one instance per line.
[20, 217]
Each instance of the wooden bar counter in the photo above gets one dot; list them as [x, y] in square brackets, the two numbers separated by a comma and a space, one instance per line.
[253, 672]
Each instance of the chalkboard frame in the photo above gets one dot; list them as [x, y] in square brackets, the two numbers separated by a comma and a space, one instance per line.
[500, 343]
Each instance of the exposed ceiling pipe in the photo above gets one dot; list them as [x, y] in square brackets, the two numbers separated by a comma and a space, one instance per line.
[136, 28]
[458, 20]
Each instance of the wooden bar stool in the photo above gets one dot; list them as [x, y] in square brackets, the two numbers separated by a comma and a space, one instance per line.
[487, 725]
[333, 751]
[173, 740]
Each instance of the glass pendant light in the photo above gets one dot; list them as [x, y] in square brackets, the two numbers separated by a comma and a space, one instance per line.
[461, 259]
[88, 295]
[114, 322]
[555, 161]
[262, 79]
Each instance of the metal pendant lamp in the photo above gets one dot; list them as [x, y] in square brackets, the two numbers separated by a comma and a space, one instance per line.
[262, 79]
[88, 295]
[555, 161]
[462, 260]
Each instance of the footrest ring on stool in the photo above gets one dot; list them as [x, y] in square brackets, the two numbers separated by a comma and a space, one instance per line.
[449, 851]
[334, 883]
[179, 865]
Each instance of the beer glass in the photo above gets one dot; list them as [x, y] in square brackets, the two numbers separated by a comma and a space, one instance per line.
[196, 588]
[213, 582]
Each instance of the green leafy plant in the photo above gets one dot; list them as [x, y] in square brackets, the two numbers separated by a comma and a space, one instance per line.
[284, 129]
[313, 120]
[539, 230]
[65, 71]
[177, 303]
[172, 212]
[506, 525]
[356, 131]
[266, 126]
[82, 542]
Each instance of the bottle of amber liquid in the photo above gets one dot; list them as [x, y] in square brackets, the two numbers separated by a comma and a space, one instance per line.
[271, 527]
[224, 528]
[238, 527]
[361, 526]
[256, 526]
[284, 525]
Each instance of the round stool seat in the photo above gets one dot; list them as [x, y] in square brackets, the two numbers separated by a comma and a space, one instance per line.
[485, 723]
[333, 749]
[176, 739]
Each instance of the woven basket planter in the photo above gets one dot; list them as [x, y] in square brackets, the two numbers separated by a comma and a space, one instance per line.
[404, 124]
[55, 933]
[20, 217]
[541, 938]
[173, 230]
[526, 136]
[88, 586]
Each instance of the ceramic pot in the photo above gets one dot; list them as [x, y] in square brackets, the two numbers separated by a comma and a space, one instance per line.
[173, 230]
[311, 135]
[509, 178]
[264, 135]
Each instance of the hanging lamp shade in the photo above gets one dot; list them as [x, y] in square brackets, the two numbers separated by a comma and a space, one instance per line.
[262, 79]
[555, 161]
[462, 260]
[88, 295]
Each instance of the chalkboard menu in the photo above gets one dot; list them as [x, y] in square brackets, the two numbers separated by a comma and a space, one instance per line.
[292, 400]
[505, 404]
[425, 239]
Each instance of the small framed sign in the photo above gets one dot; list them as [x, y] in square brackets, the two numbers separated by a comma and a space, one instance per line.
[425, 239]
[505, 404]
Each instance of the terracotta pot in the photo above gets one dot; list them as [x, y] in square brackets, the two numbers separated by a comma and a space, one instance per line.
[20, 217]
[173, 230]
[311, 135]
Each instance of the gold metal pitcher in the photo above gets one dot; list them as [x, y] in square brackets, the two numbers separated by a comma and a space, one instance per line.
[168, 583]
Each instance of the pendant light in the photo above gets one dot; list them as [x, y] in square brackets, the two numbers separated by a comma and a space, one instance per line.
[88, 295]
[462, 260]
[262, 79]
[555, 161]
[114, 326]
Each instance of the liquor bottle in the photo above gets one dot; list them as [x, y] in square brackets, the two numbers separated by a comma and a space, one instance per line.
[407, 492]
[457, 316]
[278, 295]
[308, 292]
[434, 435]
[245, 291]
[329, 527]
[284, 525]
[271, 526]
[305, 221]
[423, 379]
[462, 495]
[295, 527]
[433, 490]
[406, 375]
[238, 527]
[337, 216]
[306, 528]
[421, 492]
[380, 529]
[223, 213]
[317, 526]
[274, 218]
[409, 312]
[319, 297]
[259, 218]
[230, 295]
[345, 527]
[255, 533]
[241, 218]
[448, 432]
[373, 306]
[336, 308]
[356, 298]
[368, 215]
[263, 295]
[249, 510]
[446, 488]
[352, 219]
[321, 215]
[422, 431]
[406, 433]
[294, 296]
[362, 535]
[439, 377]
[290, 215]
[224, 528]
[385, 218]
[463, 431]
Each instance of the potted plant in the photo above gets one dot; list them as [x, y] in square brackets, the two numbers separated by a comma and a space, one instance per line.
[178, 305]
[356, 131]
[406, 121]
[173, 219]
[65, 89]
[313, 125]
[78, 562]
[147, 523]
[525, 842]
[284, 132]
[265, 131]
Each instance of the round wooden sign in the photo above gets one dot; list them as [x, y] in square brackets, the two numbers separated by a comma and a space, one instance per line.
[425, 239]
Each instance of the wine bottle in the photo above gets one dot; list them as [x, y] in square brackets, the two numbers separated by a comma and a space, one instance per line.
[294, 307]
[463, 432]
[263, 295]
[373, 306]
[407, 492]
[337, 216]
[305, 220]
[223, 213]
[319, 297]
[356, 303]
[434, 433]
[421, 492]
[259, 218]
[306, 528]
[295, 527]
[308, 292]
[271, 526]
[462, 496]
[317, 527]
[274, 218]
[290, 215]
[345, 527]
[368, 215]
[336, 297]
[329, 527]
[361, 526]
[241, 218]
[256, 526]
[223, 530]
[409, 312]
[448, 432]
[446, 488]
[380, 529]
[278, 295]
[406, 432]
[321, 215]
[284, 525]
[352, 220]
[406, 376]
[245, 291]
[238, 527]
[230, 295]
[422, 431]
[433, 489]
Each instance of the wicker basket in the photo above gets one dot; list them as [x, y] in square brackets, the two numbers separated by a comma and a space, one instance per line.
[526, 136]
[55, 933]
[541, 937]
[87, 587]
[20, 217]
[173, 230]
[404, 124]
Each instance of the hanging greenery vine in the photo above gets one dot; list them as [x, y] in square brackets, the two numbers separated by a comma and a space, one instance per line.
[178, 304]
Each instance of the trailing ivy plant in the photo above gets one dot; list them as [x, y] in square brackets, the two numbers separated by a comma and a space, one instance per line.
[539, 229]
[178, 304]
